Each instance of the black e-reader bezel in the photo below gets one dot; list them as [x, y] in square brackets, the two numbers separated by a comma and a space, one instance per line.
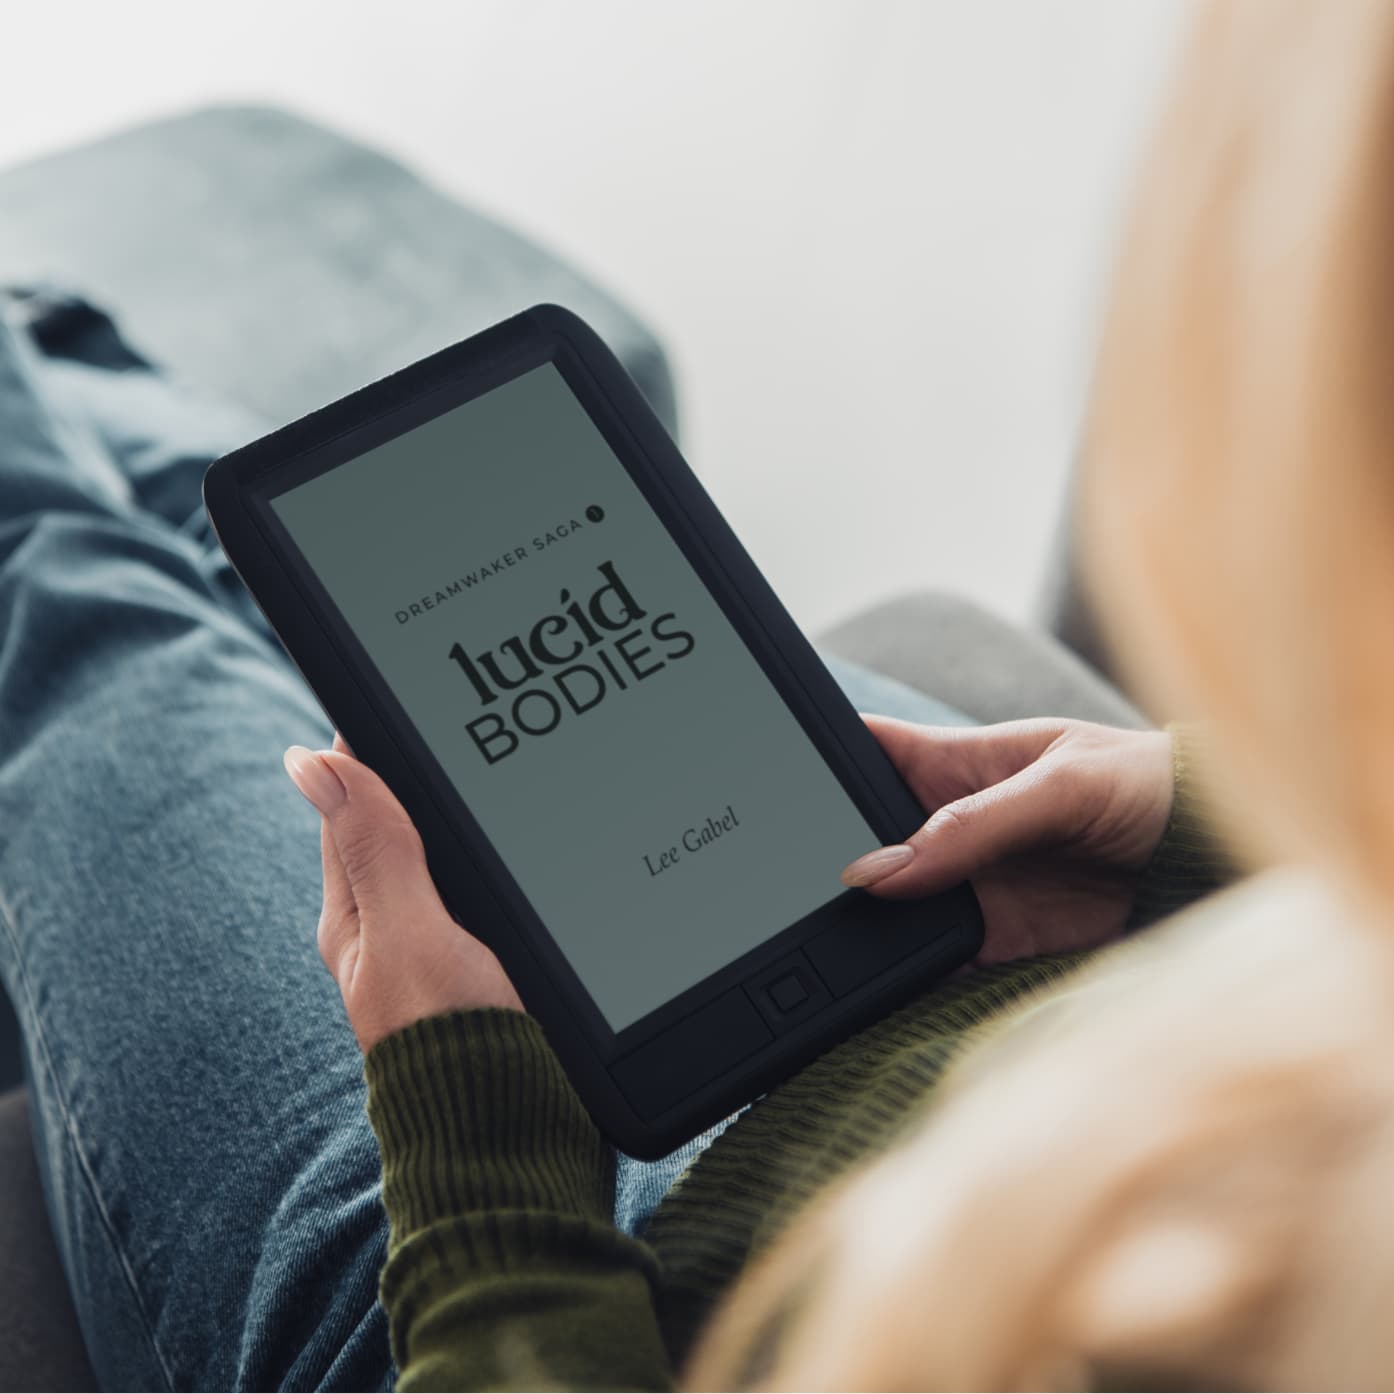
[737, 1033]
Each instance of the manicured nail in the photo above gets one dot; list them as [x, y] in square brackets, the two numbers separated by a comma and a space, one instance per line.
[315, 779]
[877, 865]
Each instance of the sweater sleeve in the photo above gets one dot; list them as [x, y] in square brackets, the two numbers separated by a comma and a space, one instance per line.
[504, 1268]
[1190, 861]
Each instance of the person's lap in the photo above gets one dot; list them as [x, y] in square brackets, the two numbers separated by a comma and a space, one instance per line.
[198, 1095]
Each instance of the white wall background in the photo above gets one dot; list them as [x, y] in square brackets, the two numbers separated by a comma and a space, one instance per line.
[872, 233]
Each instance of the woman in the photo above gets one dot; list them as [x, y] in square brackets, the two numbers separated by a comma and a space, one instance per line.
[1158, 1169]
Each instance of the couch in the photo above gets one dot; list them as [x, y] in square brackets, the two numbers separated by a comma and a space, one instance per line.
[283, 265]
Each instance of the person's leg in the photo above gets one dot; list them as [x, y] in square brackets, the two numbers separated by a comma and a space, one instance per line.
[198, 1096]
[639, 1185]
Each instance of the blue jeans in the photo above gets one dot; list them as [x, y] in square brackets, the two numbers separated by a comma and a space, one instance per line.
[197, 1094]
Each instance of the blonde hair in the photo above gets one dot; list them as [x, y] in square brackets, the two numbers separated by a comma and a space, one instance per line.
[1239, 482]
[1176, 1171]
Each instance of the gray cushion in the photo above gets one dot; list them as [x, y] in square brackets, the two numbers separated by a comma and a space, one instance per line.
[987, 668]
[280, 264]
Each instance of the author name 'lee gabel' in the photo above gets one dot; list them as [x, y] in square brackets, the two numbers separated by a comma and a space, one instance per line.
[695, 839]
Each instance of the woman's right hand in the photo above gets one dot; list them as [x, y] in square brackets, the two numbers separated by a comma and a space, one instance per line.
[1052, 821]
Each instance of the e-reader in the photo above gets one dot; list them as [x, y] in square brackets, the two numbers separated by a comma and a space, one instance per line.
[635, 779]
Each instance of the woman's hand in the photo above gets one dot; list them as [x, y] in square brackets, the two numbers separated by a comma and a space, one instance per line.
[383, 932]
[1052, 822]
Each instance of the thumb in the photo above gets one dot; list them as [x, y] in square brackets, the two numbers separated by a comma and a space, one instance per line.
[379, 848]
[963, 838]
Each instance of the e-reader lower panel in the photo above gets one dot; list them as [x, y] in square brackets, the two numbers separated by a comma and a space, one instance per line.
[725, 1034]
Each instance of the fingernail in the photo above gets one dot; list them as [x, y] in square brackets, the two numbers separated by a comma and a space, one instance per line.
[875, 866]
[315, 779]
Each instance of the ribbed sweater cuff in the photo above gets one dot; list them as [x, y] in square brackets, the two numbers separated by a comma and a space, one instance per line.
[1190, 862]
[472, 1113]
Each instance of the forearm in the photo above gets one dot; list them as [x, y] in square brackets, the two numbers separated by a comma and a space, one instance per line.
[504, 1267]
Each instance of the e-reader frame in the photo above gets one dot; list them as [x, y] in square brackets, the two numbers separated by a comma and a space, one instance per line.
[738, 1032]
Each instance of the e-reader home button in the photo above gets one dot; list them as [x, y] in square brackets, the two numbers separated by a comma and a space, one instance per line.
[788, 992]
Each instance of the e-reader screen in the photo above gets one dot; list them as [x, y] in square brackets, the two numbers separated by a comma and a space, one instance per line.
[657, 803]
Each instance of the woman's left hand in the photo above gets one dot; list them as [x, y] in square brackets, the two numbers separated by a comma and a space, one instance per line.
[1053, 822]
[384, 934]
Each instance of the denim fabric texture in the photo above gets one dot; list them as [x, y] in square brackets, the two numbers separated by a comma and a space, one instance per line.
[198, 1097]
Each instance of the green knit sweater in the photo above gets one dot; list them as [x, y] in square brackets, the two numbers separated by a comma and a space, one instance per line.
[505, 1270]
